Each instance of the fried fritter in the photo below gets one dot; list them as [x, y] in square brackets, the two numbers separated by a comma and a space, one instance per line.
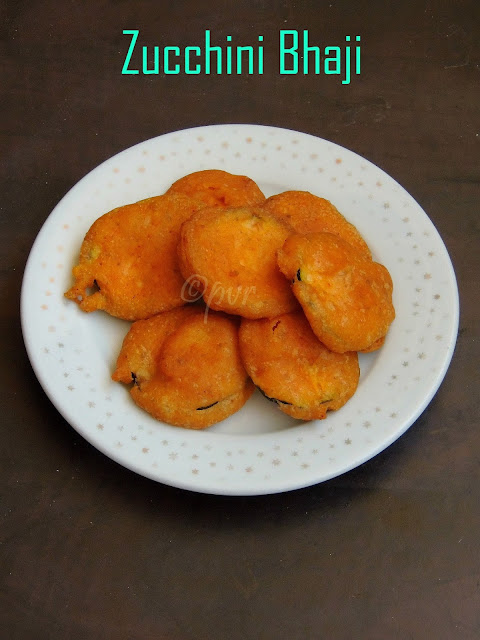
[217, 188]
[346, 297]
[230, 255]
[307, 213]
[375, 346]
[185, 367]
[129, 259]
[294, 369]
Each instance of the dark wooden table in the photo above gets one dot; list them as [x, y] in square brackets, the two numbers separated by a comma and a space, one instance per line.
[91, 550]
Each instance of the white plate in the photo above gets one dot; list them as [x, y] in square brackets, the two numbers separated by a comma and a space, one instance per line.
[259, 450]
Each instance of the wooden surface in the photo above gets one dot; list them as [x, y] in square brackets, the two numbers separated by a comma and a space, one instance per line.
[91, 550]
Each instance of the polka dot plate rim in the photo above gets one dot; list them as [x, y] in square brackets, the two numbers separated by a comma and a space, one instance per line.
[259, 450]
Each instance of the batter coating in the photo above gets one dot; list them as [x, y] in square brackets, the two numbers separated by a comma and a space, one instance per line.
[217, 188]
[293, 368]
[230, 256]
[129, 258]
[307, 213]
[185, 368]
[346, 297]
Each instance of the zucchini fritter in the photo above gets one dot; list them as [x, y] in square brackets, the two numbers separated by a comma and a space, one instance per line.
[129, 259]
[294, 369]
[217, 188]
[231, 256]
[346, 297]
[307, 213]
[185, 367]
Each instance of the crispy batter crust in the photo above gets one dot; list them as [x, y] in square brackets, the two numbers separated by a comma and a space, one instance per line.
[217, 188]
[346, 297]
[375, 346]
[307, 213]
[231, 255]
[130, 256]
[185, 367]
[292, 367]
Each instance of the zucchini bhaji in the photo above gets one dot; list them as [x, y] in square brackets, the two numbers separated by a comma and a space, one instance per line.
[185, 369]
[128, 260]
[294, 369]
[299, 275]
[346, 296]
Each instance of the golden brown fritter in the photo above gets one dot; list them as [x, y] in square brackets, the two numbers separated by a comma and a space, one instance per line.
[346, 297]
[230, 254]
[217, 188]
[185, 367]
[307, 213]
[375, 346]
[294, 369]
[129, 259]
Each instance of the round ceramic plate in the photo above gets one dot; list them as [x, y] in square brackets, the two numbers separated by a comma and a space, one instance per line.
[259, 450]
